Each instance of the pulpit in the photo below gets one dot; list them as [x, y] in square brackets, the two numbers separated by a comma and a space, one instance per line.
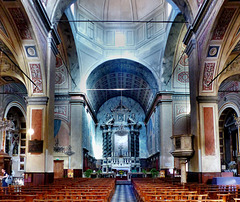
[183, 149]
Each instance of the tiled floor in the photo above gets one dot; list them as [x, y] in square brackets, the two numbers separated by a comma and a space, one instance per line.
[124, 193]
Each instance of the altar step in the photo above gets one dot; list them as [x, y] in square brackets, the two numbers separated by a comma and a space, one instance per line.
[123, 182]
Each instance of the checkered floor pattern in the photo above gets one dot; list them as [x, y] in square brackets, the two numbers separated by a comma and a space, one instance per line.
[124, 193]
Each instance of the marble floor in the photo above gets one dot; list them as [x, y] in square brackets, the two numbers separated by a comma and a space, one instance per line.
[124, 193]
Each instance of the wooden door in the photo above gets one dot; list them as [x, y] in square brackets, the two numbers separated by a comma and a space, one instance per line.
[58, 168]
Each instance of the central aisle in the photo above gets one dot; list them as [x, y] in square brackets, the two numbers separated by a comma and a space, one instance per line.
[124, 193]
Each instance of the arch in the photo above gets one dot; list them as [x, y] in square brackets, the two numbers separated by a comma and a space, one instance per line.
[216, 47]
[15, 104]
[20, 29]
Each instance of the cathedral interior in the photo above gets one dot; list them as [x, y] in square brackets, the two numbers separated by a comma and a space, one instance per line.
[119, 85]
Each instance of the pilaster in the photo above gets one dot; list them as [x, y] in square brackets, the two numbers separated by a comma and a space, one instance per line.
[36, 116]
[164, 105]
[77, 104]
[209, 135]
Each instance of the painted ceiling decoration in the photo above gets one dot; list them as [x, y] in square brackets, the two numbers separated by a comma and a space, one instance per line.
[21, 22]
[229, 85]
[135, 80]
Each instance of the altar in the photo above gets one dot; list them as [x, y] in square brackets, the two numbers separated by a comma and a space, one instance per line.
[120, 141]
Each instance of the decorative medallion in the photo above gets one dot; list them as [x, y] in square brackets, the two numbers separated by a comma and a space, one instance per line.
[31, 51]
[183, 77]
[213, 51]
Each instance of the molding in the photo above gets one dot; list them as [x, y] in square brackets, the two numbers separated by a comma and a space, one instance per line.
[161, 97]
[36, 100]
[37, 5]
[191, 46]
[53, 45]
[207, 99]
[82, 99]
[197, 21]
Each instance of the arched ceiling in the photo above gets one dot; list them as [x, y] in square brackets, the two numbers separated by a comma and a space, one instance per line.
[121, 77]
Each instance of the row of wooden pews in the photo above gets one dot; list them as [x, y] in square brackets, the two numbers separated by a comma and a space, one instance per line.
[149, 190]
[65, 190]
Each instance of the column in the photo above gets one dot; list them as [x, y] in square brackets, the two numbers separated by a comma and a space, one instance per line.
[209, 135]
[165, 108]
[77, 108]
[183, 162]
[194, 72]
[36, 120]
[104, 134]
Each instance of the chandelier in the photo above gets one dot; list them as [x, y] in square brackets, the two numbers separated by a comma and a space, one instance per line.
[69, 151]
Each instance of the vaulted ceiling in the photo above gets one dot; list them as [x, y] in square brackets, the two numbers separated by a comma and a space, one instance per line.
[121, 77]
[121, 9]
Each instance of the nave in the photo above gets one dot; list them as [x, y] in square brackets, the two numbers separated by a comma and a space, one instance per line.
[124, 193]
[106, 190]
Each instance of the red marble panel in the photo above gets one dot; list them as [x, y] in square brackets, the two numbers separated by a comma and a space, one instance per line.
[37, 123]
[209, 131]
[208, 75]
[21, 22]
[36, 75]
[223, 23]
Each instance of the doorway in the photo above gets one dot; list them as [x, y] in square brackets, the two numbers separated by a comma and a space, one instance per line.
[228, 136]
[58, 168]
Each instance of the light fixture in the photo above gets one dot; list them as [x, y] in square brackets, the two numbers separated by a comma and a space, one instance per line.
[30, 131]
[69, 151]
